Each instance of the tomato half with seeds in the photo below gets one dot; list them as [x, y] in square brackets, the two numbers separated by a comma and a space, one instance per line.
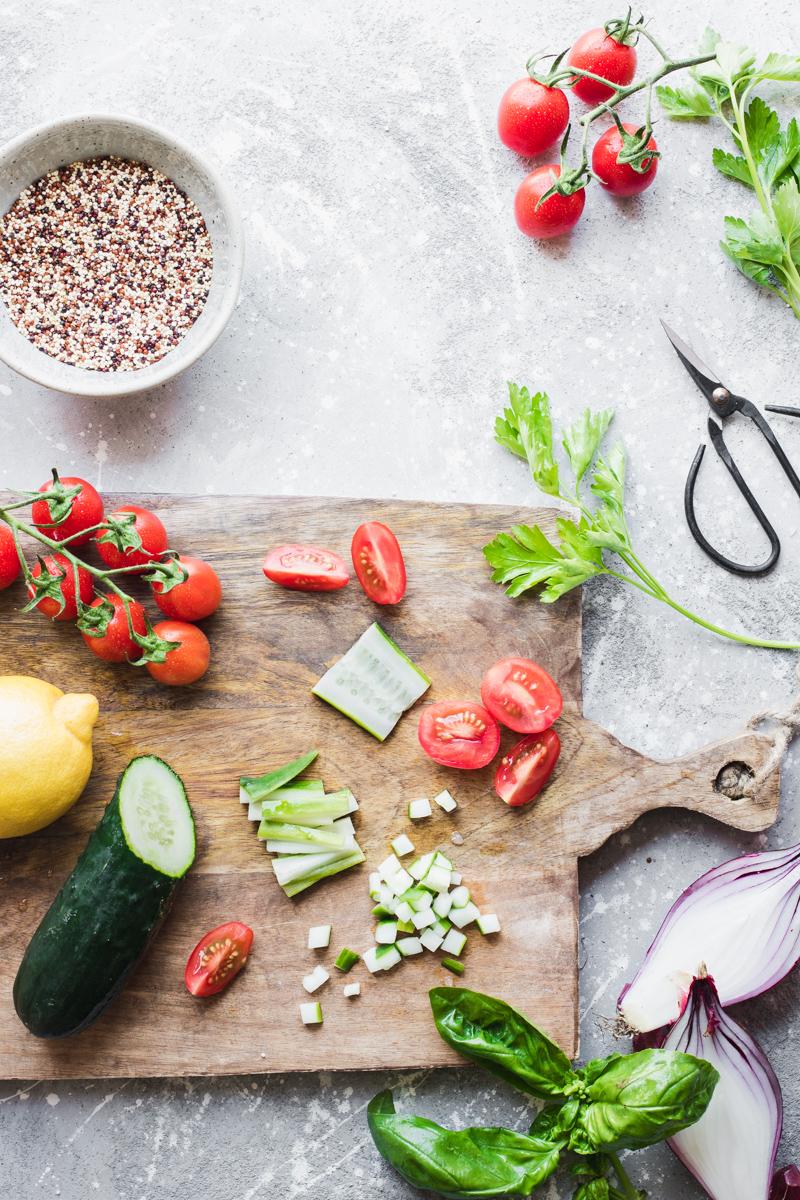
[116, 645]
[459, 733]
[525, 770]
[521, 695]
[59, 566]
[218, 958]
[10, 567]
[86, 511]
[378, 563]
[305, 568]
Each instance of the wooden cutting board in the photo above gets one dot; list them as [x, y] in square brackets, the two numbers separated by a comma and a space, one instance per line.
[253, 711]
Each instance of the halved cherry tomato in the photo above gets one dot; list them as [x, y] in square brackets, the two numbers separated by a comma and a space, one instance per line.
[598, 52]
[378, 563]
[521, 695]
[194, 599]
[525, 770]
[459, 733]
[116, 644]
[305, 568]
[189, 661]
[218, 958]
[150, 530]
[87, 510]
[9, 559]
[59, 564]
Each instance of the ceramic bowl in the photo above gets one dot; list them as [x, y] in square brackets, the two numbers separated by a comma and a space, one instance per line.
[58, 143]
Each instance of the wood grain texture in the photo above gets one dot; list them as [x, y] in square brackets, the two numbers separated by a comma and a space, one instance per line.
[254, 711]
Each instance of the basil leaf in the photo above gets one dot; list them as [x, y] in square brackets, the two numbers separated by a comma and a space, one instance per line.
[459, 1163]
[555, 1121]
[640, 1099]
[490, 1032]
[593, 1189]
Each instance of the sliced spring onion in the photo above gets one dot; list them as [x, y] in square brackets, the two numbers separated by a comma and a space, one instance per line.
[306, 881]
[259, 786]
[402, 845]
[454, 942]
[345, 960]
[311, 1014]
[464, 916]
[488, 923]
[445, 801]
[409, 945]
[452, 964]
[319, 937]
[386, 933]
[351, 989]
[316, 979]
[430, 940]
[374, 683]
[419, 809]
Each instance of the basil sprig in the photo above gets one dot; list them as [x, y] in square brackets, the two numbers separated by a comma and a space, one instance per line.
[625, 1101]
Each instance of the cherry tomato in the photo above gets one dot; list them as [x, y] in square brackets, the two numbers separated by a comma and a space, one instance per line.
[150, 530]
[378, 563]
[459, 733]
[525, 770]
[596, 51]
[218, 958]
[9, 559]
[531, 116]
[59, 564]
[620, 178]
[557, 215]
[87, 510]
[189, 661]
[521, 695]
[197, 597]
[116, 645]
[305, 568]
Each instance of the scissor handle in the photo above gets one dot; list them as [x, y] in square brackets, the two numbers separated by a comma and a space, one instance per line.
[749, 410]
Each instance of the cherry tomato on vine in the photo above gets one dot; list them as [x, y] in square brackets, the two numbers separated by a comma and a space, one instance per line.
[620, 178]
[86, 511]
[59, 564]
[598, 52]
[150, 530]
[521, 695]
[531, 116]
[197, 597]
[557, 215]
[459, 733]
[378, 563]
[218, 958]
[189, 661]
[116, 645]
[9, 559]
[305, 568]
[525, 770]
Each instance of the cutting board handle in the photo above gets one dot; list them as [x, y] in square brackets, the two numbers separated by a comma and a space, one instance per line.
[708, 781]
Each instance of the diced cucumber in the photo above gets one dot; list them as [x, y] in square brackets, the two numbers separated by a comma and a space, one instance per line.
[404, 911]
[445, 801]
[402, 845]
[409, 945]
[437, 879]
[455, 878]
[311, 1014]
[452, 964]
[454, 942]
[488, 923]
[386, 933]
[400, 882]
[419, 809]
[374, 683]
[417, 898]
[441, 928]
[380, 910]
[374, 885]
[421, 920]
[464, 916]
[430, 940]
[405, 927]
[387, 957]
[420, 866]
[370, 960]
[387, 898]
[324, 872]
[345, 960]
[441, 860]
[316, 979]
[351, 989]
[319, 937]
[442, 903]
[389, 867]
[460, 896]
[259, 786]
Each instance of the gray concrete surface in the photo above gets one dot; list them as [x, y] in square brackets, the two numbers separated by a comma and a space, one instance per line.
[387, 298]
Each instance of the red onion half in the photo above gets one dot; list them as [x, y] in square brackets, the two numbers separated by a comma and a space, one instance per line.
[742, 919]
[731, 1150]
[786, 1184]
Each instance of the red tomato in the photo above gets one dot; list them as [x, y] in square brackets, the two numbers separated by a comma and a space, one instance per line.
[59, 564]
[596, 51]
[521, 695]
[218, 958]
[531, 116]
[525, 770]
[378, 563]
[116, 645]
[150, 530]
[87, 510]
[459, 733]
[557, 215]
[189, 661]
[305, 568]
[616, 177]
[197, 597]
[9, 559]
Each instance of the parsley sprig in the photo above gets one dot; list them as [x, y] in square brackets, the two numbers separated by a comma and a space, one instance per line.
[525, 558]
[766, 245]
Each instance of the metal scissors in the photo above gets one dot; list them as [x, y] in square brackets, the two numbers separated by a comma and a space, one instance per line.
[724, 403]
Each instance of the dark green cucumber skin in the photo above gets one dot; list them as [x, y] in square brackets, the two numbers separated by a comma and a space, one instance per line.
[93, 934]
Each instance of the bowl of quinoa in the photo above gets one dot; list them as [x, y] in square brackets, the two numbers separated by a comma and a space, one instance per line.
[120, 255]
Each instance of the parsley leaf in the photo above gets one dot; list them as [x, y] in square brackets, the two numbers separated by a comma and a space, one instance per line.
[525, 558]
[781, 66]
[582, 440]
[684, 102]
[731, 165]
[526, 429]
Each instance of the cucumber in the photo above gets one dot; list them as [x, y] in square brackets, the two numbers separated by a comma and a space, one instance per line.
[373, 683]
[102, 920]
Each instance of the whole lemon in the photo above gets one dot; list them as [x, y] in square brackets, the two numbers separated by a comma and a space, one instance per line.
[45, 752]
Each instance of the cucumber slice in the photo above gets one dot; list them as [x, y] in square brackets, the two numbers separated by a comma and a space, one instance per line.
[374, 683]
[155, 816]
[259, 786]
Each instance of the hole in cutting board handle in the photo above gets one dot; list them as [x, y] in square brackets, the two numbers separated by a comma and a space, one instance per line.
[732, 780]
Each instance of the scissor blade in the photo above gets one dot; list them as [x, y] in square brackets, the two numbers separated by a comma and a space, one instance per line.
[701, 373]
